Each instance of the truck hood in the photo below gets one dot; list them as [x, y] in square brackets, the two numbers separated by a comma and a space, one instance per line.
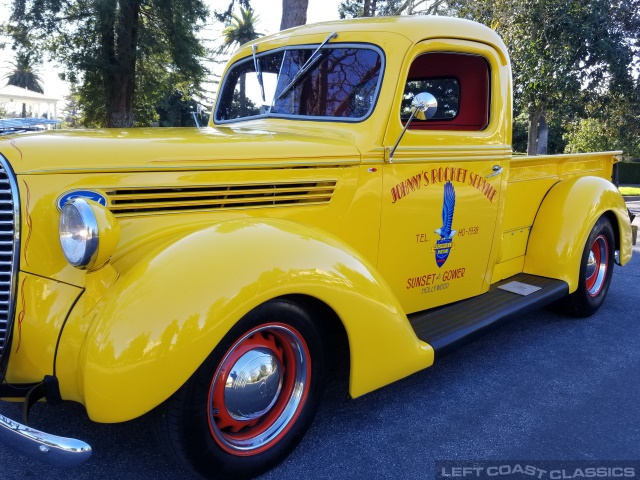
[251, 145]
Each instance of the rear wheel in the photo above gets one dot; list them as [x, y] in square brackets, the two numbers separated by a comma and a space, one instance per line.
[596, 269]
[249, 404]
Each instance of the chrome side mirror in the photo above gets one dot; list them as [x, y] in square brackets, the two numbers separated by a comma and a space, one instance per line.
[423, 107]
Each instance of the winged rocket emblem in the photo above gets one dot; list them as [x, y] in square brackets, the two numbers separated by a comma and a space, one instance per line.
[444, 245]
[448, 206]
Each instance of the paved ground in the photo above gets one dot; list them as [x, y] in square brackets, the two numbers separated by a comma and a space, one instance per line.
[542, 388]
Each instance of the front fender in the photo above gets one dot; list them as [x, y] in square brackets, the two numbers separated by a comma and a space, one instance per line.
[563, 223]
[170, 308]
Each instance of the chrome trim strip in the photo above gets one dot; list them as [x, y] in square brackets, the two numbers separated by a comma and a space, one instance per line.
[50, 449]
[15, 258]
[190, 165]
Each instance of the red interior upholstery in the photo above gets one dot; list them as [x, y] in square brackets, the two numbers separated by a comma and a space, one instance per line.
[472, 72]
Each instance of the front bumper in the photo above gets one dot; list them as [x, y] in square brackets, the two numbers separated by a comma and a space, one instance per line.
[47, 448]
[50, 449]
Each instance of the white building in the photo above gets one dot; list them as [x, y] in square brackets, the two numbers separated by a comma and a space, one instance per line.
[13, 94]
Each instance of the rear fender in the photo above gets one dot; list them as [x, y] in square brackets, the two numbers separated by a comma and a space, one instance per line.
[563, 223]
[170, 308]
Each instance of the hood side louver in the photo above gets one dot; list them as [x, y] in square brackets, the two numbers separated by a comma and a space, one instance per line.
[145, 201]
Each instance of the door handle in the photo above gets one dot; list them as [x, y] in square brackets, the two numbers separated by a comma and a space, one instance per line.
[497, 170]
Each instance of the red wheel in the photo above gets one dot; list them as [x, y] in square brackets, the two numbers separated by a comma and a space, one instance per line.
[249, 404]
[597, 266]
[596, 269]
[259, 389]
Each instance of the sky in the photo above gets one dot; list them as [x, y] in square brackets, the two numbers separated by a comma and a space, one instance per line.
[269, 15]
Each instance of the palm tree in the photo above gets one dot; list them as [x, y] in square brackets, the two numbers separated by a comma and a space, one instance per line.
[241, 31]
[24, 76]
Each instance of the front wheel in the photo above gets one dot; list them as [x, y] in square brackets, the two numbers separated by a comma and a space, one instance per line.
[249, 404]
[596, 269]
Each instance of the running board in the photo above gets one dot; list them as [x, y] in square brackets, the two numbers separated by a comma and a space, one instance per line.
[450, 326]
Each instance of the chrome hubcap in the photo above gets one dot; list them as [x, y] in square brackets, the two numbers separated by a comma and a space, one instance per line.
[253, 385]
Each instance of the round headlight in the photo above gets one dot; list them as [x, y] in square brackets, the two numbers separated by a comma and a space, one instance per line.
[78, 230]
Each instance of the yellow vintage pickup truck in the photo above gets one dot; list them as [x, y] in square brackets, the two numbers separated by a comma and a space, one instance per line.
[355, 187]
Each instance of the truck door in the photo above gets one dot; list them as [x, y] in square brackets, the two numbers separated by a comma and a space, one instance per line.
[444, 187]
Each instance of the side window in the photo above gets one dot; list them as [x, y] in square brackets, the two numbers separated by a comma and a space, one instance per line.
[446, 91]
[461, 85]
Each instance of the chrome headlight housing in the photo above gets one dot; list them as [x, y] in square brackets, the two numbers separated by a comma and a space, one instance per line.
[88, 233]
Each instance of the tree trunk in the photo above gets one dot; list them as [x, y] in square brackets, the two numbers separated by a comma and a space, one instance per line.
[543, 135]
[366, 9]
[119, 36]
[532, 144]
[294, 13]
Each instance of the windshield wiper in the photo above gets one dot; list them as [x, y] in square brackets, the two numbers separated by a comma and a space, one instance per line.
[306, 67]
[256, 65]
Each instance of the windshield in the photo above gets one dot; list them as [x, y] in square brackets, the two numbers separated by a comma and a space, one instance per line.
[339, 83]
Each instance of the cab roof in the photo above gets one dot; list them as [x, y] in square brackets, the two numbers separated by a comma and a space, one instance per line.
[415, 28]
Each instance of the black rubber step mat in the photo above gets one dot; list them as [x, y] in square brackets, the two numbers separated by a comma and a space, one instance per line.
[450, 326]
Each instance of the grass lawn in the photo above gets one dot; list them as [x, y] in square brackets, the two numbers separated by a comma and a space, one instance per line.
[629, 190]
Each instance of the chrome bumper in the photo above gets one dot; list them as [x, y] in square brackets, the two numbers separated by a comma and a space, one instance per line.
[50, 449]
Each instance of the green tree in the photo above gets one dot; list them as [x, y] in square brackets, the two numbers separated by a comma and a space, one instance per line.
[565, 53]
[613, 123]
[241, 29]
[381, 8]
[177, 109]
[588, 135]
[108, 46]
[71, 114]
[226, 14]
[23, 75]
